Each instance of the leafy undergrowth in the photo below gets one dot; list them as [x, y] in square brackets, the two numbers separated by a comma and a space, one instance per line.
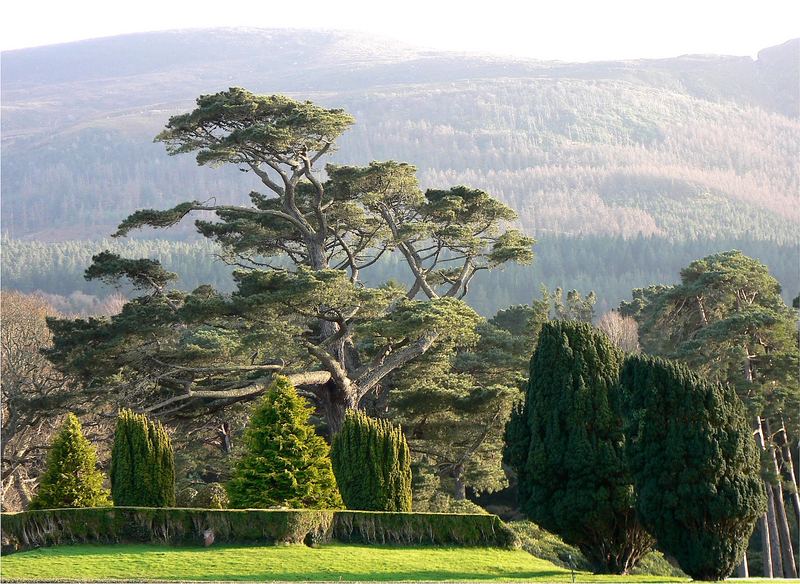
[550, 547]
[331, 562]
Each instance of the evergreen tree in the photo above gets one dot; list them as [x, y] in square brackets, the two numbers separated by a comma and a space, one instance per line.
[284, 462]
[142, 463]
[694, 463]
[372, 464]
[304, 246]
[570, 460]
[71, 478]
[727, 320]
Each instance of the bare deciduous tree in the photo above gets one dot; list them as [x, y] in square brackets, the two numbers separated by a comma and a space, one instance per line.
[622, 330]
[34, 393]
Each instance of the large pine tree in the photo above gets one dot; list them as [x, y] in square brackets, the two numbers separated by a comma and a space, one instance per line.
[694, 463]
[142, 463]
[72, 478]
[284, 463]
[568, 448]
[372, 464]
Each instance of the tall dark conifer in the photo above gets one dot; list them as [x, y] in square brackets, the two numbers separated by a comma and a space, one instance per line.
[694, 463]
[568, 448]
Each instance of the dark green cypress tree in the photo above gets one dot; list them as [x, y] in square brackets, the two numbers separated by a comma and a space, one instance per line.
[695, 465]
[142, 463]
[570, 460]
[72, 478]
[284, 462]
[372, 464]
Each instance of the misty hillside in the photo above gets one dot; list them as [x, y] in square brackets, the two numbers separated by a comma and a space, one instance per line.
[695, 146]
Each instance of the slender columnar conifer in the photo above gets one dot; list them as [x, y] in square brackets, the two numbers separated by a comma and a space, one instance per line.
[142, 463]
[372, 464]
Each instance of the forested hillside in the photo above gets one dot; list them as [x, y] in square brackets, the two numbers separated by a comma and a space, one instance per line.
[691, 147]
[611, 266]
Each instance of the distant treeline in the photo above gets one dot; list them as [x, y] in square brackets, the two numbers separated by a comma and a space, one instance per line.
[611, 266]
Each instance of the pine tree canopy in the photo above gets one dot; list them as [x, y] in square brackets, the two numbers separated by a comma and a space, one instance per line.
[302, 247]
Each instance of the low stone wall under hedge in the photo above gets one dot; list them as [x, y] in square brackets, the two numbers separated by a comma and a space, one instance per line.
[250, 526]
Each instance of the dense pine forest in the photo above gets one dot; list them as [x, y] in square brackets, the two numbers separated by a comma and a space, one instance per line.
[609, 266]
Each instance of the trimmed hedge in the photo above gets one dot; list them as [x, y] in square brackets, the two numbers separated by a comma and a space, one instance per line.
[377, 527]
[45, 527]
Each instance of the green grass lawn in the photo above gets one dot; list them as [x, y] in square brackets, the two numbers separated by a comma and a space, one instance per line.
[330, 562]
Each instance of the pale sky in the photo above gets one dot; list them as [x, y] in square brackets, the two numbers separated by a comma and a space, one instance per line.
[570, 30]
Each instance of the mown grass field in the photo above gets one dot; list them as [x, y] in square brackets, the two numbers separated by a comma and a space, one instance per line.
[331, 562]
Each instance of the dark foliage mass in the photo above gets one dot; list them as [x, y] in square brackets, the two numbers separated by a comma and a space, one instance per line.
[568, 448]
[694, 464]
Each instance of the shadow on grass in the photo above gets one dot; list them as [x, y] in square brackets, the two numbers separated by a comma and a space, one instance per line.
[407, 575]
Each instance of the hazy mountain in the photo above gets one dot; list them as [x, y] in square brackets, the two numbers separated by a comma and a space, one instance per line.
[695, 146]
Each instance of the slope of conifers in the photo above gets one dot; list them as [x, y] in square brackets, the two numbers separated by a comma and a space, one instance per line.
[611, 266]
[692, 146]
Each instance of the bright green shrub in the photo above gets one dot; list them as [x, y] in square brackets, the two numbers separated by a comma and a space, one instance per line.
[142, 463]
[372, 464]
[72, 478]
[568, 448]
[695, 465]
[284, 462]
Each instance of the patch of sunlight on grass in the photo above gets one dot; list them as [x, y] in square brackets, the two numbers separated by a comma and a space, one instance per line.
[290, 563]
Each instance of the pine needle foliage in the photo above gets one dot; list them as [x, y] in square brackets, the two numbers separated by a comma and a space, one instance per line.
[72, 478]
[142, 463]
[568, 448]
[694, 463]
[284, 462]
[372, 464]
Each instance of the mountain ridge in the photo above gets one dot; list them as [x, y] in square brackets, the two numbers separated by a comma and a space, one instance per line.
[627, 144]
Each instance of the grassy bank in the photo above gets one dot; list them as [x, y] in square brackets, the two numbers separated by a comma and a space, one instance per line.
[331, 562]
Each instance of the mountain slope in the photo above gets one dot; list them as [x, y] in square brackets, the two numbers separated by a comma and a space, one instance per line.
[696, 146]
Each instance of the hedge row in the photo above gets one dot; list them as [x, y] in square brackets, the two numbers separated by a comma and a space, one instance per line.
[46, 527]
